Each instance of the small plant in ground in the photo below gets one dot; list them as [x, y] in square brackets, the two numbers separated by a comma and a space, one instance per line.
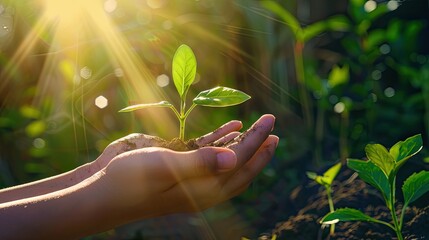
[184, 70]
[326, 181]
[380, 171]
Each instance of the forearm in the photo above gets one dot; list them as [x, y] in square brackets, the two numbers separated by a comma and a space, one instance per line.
[47, 185]
[70, 213]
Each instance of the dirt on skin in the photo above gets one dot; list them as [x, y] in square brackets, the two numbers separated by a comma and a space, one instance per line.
[177, 144]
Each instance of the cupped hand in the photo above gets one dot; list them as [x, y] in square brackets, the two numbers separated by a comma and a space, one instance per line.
[138, 140]
[153, 181]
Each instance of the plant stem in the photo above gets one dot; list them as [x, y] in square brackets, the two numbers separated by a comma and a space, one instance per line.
[393, 209]
[401, 220]
[182, 118]
[331, 207]
[300, 76]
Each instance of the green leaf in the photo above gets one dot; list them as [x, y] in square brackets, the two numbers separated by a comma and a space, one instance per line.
[338, 23]
[327, 178]
[404, 150]
[220, 97]
[312, 175]
[410, 147]
[371, 174]
[379, 155]
[375, 38]
[415, 186]
[331, 173]
[184, 69]
[313, 30]
[317, 178]
[146, 105]
[347, 214]
[30, 112]
[338, 76]
[335, 23]
[35, 128]
[286, 16]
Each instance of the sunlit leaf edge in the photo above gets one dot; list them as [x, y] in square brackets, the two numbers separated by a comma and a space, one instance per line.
[145, 105]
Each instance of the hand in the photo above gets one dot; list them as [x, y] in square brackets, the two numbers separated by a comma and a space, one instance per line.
[138, 140]
[153, 181]
[140, 182]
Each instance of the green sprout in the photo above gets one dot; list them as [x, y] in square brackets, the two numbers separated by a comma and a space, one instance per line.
[326, 181]
[184, 70]
[380, 171]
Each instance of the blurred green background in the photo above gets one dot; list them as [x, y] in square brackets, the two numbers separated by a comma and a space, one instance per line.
[336, 74]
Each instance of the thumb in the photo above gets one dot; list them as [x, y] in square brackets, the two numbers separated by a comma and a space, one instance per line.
[205, 161]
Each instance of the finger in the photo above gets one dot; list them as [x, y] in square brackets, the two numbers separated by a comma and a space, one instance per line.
[130, 142]
[226, 139]
[220, 132]
[249, 142]
[243, 177]
[206, 161]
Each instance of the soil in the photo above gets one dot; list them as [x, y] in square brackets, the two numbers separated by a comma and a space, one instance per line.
[178, 145]
[348, 191]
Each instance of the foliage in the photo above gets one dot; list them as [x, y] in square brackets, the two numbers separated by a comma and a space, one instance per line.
[184, 70]
[380, 171]
[326, 181]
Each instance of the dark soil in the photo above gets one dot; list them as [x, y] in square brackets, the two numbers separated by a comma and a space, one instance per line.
[349, 191]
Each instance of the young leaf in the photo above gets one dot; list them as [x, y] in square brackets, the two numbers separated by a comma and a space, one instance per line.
[331, 173]
[407, 148]
[184, 69]
[403, 150]
[371, 174]
[312, 175]
[220, 97]
[415, 186]
[328, 176]
[147, 105]
[338, 75]
[317, 178]
[347, 214]
[379, 155]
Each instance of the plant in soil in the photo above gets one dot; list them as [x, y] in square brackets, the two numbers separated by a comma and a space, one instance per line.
[326, 181]
[380, 171]
[184, 69]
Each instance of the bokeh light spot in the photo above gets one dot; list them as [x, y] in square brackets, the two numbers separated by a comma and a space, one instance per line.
[39, 143]
[339, 107]
[101, 102]
[119, 72]
[162, 80]
[110, 6]
[392, 5]
[333, 99]
[389, 92]
[155, 3]
[385, 49]
[86, 72]
[370, 6]
[376, 75]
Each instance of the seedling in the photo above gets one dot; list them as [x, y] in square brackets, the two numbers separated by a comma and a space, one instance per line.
[184, 69]
[380, 171]
[326, 181]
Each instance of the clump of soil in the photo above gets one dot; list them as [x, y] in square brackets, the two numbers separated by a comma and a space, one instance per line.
[177, 144]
